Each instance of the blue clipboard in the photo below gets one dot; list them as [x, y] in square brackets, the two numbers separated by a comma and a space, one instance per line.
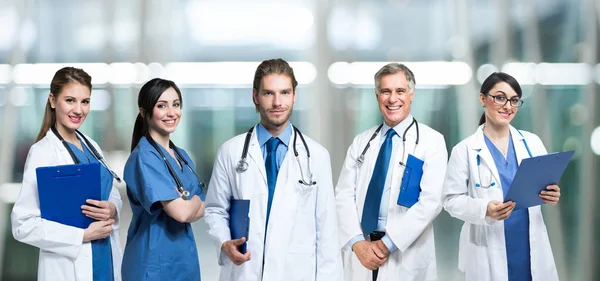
[410, 188]
[64, 189]
[533, 175]
[239, 222]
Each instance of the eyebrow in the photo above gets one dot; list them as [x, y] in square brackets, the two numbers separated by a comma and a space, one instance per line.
[166, 101]
[505, 95]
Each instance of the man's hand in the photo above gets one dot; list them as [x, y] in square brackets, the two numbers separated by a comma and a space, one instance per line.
[367, 256]
[230, 248]
[380, 249]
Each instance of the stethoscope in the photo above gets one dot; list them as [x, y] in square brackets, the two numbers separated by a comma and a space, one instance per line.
[242, 165]
[89, 145]
[361, 158]
[185, 194]
[492, 182]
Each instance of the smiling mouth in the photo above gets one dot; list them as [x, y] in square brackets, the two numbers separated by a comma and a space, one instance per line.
[75, 119]
[505, 114]
[169, 122]
[393, 108]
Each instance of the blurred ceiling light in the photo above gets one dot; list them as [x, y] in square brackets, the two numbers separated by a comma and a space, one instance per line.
[5, 73]
[228, 73]
[597, 73]
[100, 100]
[595, 141]
[122, 73]
[427, 74]
[250, 23]
[9, 19]
[484, 71]
[564, 73]
[154, 70]
[524, 72]
[42, 73]
[90, 36]
[143, 73]
[365, 30]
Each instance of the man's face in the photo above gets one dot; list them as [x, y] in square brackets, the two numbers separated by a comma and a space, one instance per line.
[275, 100]
[394, 98]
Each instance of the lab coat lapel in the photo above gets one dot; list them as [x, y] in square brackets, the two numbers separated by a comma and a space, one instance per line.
[62, 155]
[519, 144]
[484, 154]
[366, 168]
[256, 155]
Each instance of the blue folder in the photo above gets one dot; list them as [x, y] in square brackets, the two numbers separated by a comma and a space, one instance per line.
[239, 222]
[63, 189]
[410, 188]
[533, 175]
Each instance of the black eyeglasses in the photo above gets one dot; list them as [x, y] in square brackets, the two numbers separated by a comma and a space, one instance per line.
[502, 100]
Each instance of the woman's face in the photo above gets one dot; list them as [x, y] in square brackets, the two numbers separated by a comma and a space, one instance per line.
[498, 104]
[165, 114]
[71, 106]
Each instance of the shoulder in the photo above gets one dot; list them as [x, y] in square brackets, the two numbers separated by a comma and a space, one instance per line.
[143, 150]
[530, 136]
[93, 143]
[315, 147]
[232, 145]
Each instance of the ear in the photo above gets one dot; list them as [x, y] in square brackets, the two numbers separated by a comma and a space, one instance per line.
[294, 91]
[482, 99]
[255, 96]
[52, 100]
[142, 112]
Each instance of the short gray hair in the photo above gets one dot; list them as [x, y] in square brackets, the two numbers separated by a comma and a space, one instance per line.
[393, 68]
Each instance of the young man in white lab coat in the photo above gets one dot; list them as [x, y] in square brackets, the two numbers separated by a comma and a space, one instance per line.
[381, 239]
[287, 178]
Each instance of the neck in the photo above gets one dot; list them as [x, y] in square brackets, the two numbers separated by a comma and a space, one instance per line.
[496, 132]
[275, 130]
[67, 134]
[161, 139]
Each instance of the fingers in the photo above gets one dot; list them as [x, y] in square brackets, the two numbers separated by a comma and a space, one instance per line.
[99, 204]
[95, 213]
[231, 249]
[500, 211]
[377, 251]
[551, 195]
[239, 242]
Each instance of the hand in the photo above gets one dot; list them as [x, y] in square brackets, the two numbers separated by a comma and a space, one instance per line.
[551, 195]
[499, 211]
[230, 248]
[367, 256]
[98, 230]
[100, 210]
[380, 249]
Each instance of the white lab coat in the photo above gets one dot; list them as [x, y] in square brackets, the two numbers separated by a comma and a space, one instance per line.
[482, 248]
[411, 230]
[301, 241]
[63, 255]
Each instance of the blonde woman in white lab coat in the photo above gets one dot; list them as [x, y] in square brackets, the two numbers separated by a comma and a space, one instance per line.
[497, 242]
[69, 253]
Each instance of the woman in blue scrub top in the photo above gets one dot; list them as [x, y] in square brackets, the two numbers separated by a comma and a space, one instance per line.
[164, 192]
[67, 252]
[496, 241]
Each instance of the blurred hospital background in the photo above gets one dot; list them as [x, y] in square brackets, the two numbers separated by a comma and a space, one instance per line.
[211, 48]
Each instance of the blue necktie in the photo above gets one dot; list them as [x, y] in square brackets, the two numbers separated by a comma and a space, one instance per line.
[370, 215]
[272, 170]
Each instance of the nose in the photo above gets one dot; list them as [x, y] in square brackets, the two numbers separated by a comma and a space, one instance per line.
[277, 99]
[170, 111]
[77, 110]
[393, 97]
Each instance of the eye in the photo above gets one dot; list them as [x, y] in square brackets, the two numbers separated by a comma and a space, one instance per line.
[86, 101]
[70, 100]
[285, 92]
[176, 104]
[160, 106]
[385, 92]
[500, 98]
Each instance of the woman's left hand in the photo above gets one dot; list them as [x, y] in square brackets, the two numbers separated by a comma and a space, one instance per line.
[99, 210]
[551, 195]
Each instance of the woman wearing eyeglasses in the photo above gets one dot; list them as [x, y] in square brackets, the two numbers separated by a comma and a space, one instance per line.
[496, 241]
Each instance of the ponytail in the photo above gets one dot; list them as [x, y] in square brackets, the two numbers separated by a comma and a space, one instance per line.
[140, 129]
[48, 121]
[482, 119]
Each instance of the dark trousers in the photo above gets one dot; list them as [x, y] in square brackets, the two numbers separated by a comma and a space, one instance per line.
[375, 236]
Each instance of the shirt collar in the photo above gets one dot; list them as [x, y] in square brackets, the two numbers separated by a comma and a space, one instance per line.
[263, 135]
[400, 128]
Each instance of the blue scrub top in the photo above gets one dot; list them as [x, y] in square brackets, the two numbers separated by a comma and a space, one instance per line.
[158, 247]
[516, 227]
[102, 264]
